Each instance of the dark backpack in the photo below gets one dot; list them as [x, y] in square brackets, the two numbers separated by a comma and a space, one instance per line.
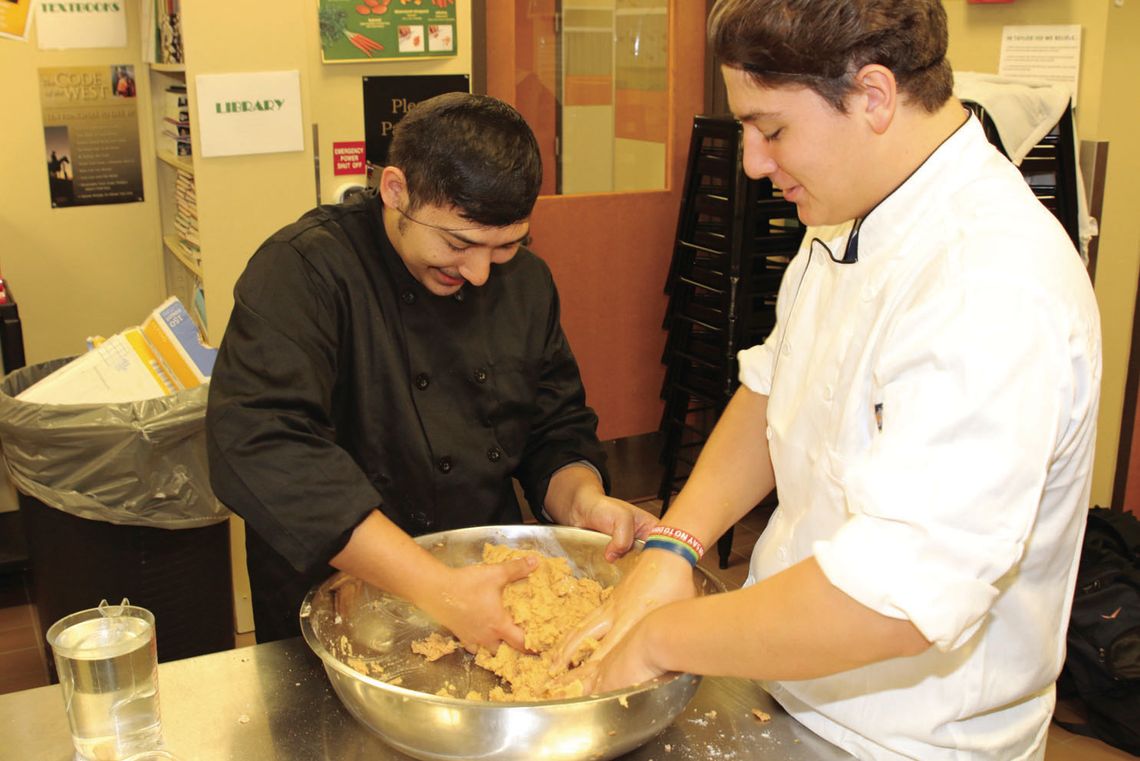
[1102, 666]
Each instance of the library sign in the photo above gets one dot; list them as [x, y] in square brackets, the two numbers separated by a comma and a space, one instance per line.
[239, 114]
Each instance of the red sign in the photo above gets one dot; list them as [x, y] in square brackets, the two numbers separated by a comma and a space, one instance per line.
[348, 158]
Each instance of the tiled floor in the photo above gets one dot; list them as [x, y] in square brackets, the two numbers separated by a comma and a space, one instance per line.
[22, 656]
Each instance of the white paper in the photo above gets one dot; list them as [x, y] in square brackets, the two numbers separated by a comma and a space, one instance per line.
[250, 113]
[62, 25]
[1043, 53]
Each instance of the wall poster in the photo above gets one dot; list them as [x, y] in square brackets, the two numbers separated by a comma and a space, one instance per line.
[15, 16]
[91, 135]
[387, 99]
[386, 30]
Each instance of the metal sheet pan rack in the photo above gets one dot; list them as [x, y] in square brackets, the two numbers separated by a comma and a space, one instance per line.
[735, 237]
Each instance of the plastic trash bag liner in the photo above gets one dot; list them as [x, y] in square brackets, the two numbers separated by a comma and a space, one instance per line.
[138, 464]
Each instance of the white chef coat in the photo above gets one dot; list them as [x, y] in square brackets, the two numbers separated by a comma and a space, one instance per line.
[931, 418]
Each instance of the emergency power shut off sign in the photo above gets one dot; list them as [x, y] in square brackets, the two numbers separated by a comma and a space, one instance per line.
[91, 135]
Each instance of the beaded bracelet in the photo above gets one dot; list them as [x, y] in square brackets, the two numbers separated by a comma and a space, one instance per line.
[674, 546]
[682, 536]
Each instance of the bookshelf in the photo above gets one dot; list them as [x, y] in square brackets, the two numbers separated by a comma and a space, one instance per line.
[182, 259]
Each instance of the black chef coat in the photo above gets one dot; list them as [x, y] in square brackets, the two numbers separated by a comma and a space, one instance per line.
[343, 385]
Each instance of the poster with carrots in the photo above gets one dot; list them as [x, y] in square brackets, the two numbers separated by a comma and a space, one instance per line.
[386, 30]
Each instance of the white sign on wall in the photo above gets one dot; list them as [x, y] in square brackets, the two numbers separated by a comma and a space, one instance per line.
[61, 25]
[1044, 53]
[240, 114]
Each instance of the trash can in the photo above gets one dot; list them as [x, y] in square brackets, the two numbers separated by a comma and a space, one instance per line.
[116, 502]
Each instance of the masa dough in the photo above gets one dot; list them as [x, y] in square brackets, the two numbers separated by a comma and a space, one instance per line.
[547, 604]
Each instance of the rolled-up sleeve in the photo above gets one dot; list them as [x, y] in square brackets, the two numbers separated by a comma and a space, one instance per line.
[976, 386]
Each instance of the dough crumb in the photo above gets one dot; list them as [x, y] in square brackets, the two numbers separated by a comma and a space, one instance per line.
[435, 646]
[762, 716]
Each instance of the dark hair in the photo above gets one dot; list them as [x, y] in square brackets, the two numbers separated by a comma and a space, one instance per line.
[472, 152]
[822, 44]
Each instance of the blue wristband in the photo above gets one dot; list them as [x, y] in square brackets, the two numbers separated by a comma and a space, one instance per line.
[677, 548]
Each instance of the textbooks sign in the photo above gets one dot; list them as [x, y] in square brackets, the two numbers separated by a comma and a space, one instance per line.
[91, 135]
[386, 30]
[65, 25]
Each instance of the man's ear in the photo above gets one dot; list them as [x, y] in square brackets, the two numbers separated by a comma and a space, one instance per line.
[393, 187]
[880, 96]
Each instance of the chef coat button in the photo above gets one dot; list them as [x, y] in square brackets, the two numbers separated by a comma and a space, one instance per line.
[768, 432]
[421, 520]
[480, 375]
[408, 297]
[494, 454]
[422, 381]
[787, 348]
[828, 392]
[444, 464]
[459, 296]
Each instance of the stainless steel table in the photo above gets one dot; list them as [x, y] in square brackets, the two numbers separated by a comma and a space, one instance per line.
[274, 702]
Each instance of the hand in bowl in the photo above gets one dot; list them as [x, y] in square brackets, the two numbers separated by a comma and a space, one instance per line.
[470, 604]
[658, 578]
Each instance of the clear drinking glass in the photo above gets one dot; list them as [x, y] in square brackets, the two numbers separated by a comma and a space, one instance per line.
[108, 668]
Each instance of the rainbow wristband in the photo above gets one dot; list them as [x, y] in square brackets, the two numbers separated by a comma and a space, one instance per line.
[668, 532]
[674, 546]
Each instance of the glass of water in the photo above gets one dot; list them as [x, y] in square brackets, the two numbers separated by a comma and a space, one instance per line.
[108, 669]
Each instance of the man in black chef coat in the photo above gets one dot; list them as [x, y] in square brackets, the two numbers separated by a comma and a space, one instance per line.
[390, 364]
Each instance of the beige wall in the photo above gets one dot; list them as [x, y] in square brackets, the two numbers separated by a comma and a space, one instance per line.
[77, 271]
[1106, 110]
[1119, 259]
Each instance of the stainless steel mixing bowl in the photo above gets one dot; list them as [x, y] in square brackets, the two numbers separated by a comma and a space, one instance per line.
[346, 621]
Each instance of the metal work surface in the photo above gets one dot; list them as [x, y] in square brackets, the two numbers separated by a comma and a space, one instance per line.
[273, 702]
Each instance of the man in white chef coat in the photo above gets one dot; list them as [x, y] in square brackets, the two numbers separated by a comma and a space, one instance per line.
[926, 408]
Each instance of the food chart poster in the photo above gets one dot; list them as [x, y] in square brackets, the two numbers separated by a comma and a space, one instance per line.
[386, 30]
[91, 135]
[387, 99]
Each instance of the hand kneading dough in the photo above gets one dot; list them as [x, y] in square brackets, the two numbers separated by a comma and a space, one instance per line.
[546, 604]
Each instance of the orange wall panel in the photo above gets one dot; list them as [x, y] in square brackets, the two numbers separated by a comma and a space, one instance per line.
[610, 252]
[583, 90]
[642, 115]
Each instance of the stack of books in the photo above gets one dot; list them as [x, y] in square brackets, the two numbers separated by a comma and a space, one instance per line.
[176, 121]
[169, 18]
[186, 216]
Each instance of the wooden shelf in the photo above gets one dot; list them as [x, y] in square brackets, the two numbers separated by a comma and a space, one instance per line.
[170, 68]
[178, 162]
[175, 247]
